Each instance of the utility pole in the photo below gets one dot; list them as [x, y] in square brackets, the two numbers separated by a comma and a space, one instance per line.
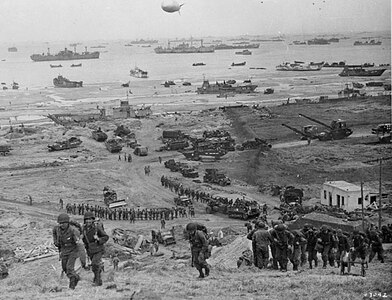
[380, 186]
[379, 200]
[363, 221]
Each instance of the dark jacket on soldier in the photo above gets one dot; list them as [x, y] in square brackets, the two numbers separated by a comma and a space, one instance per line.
[343, 244]
[198, 241]
[92, 245]
[66, 239]
[326, 238]
[282, 239]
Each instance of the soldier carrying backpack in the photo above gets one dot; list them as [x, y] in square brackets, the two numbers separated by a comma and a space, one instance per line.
[66, 238]
[94, 238]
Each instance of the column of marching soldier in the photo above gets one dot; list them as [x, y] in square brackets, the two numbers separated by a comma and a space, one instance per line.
[127, 214]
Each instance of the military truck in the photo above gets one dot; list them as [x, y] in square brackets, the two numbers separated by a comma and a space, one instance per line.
[182, 201]
[250, 209]
[214, 176]
[5, 149]
[164, 237]
[290, 194]
[189, 172]
[216, 206]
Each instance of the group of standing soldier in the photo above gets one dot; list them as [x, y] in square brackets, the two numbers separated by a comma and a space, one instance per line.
[297, 246]
[128, 214]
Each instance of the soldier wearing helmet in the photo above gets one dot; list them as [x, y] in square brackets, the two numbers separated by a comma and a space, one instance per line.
[261, 241]
[324, 239]
[199, 249]
[343, 246]
[94, 238]
[283, 240]
[66, 238]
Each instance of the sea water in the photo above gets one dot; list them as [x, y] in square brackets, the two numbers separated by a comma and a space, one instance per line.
[116, 60]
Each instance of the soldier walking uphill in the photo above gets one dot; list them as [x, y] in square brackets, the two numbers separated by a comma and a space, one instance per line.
[283, 241]
[66, 239]
[199, 249]
[94, 238]
[261, 239]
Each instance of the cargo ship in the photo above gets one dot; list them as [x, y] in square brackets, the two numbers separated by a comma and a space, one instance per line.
[65, 55]
[222, 88]
[318, 41]
[237, 46]
[298, 66]
[361, 72]
[141, 41]
[63, 82]
[184, 48]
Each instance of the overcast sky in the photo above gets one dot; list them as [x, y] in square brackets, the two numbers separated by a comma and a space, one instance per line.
[50, 20]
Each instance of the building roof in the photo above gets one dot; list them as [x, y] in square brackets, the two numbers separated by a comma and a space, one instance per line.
[318, 219]
[345, 186]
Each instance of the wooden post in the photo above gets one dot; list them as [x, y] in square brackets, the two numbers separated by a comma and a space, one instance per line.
[379, 200]
[363, 221]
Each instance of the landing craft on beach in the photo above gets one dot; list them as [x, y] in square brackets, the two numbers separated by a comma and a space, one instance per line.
[171, 6]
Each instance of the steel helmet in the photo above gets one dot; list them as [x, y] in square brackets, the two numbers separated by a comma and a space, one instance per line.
[280, 227]
[191, 227]
[89, 215]
[63, 218]
[260, 225]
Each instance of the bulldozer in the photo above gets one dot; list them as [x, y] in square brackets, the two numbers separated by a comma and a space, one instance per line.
[336, 131]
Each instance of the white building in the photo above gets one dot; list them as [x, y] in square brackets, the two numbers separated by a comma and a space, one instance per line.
[344, 194]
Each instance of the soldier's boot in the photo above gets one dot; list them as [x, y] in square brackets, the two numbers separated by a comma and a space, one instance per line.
[201, 274]
[324, 265]
[316, 263]
[310, 265]
[99, 278]
[295, 267]
[73, 282]
[207, 271]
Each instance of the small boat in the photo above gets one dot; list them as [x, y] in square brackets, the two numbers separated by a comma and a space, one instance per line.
[244, 52]
[186, 83]
[238, 64]
[198, 64]
[230, 81]
[247, 81]
[367, 43]
[56, 66]
[361, 72]
[15, 85]
[76, 65]
[358, 85]
[126, 84]
[138, 73]
[269, 91]
[168, 83]
[374, 83]
[12, 49]
[63, 82]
